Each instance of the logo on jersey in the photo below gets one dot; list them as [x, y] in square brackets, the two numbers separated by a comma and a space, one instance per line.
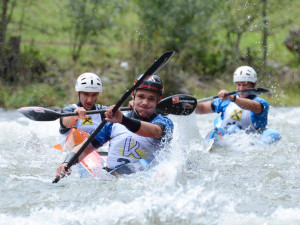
[87, 121]
[237, 114]
[131, 149]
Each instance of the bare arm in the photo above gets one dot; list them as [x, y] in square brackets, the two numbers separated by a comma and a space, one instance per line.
[146, 129]
[244, 103]
[87, 151]
[60, 171]
[248, 104]
[149, 130]
[204, 108]
[70, 121]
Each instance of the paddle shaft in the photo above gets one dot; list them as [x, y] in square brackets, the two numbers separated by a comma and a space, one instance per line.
[92, 112]
[158, 64]
[250, 90]
[179, 104]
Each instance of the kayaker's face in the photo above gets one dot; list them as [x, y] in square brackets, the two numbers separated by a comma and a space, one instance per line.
[88, 99]
[145, 102]
[242, 86]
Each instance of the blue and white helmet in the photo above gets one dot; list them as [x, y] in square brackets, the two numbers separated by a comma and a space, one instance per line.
[245, 74]
[88, 82]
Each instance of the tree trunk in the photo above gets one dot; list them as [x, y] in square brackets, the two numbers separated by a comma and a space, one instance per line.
[14, 61]
[265, 35]
[3, 26]
[236, 48]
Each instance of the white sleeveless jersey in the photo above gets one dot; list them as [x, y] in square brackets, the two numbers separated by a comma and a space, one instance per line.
[238, 116]
[88, 124]
[127, 147]
[231, 113]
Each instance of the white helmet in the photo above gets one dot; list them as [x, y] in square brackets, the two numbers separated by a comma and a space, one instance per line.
[88, 82]
[245, 74]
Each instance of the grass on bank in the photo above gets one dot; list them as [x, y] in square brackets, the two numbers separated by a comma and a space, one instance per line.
[31, 95]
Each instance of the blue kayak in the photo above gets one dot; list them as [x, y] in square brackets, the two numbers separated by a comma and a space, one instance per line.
[268, 136]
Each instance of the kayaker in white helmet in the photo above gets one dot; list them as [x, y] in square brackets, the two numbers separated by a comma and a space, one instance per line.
[88, 87]
[246, 111]
[135, 137]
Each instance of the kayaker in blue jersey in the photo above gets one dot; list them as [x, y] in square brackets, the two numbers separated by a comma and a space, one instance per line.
[134, 138]
[88, 87]
[243, 111]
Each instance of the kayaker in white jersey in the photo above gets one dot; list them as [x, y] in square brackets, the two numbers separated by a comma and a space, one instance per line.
[88, 87]
[134, 138]
[243, 111]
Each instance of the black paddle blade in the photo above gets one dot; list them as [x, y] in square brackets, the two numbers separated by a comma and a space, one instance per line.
[39, 113]
[177, 104]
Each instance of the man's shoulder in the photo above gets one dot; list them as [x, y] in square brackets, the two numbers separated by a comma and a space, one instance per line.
[218, 105]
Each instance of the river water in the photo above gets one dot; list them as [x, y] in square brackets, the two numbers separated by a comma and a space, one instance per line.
[240, 182]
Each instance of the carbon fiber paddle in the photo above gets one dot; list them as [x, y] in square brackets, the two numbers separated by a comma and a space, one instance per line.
[177, 104]
[249, 91]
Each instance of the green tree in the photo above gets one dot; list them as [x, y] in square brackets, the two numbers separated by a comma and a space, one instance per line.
[237, 18]
[16, 66]
[171, 24]
[183, 26]
[87, 19]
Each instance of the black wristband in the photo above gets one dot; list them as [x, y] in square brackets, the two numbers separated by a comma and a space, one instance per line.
[70, 156]
[132, 124]
[234, 98]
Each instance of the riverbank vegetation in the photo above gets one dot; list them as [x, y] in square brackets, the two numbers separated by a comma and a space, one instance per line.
[46, 45]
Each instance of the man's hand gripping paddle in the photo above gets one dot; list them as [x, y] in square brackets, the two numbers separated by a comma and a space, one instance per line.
[157, 65]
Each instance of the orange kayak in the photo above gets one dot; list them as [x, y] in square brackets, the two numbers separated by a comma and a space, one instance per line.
[93, 163]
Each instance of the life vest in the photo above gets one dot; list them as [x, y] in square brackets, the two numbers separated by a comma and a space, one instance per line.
[234, 115]
[88, 124]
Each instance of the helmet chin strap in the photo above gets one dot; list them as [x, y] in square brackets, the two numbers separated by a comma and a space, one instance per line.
[134, 109]
[149, 118]
[136, 112]
[144, 118]
[80, 100]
